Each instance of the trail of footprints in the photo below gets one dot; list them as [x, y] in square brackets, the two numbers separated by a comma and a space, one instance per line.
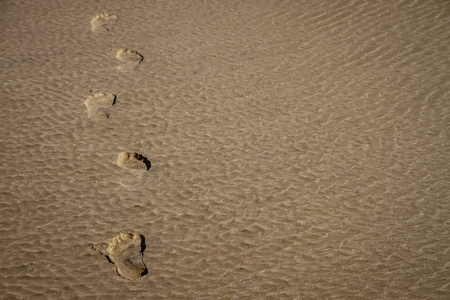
[126, 250]
[96, 104]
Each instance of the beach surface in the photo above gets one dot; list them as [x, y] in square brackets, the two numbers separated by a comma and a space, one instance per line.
[225, 149]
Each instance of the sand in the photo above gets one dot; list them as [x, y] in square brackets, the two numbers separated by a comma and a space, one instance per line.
[298, 149]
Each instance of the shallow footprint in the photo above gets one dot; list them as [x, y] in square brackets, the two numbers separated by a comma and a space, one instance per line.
[97, 103]
[134, 161]
[103, 22]
[128, 59]
[126, 251]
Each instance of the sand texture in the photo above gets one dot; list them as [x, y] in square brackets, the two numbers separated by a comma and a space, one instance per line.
[299, 149]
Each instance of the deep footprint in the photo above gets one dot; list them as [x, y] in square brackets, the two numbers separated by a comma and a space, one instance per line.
[126, 251]
[103, 22]
[97, 105]
[128, 59]
[134, 161]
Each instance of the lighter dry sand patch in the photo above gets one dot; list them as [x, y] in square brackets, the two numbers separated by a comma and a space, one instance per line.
[97, 104]
[126, 251]
[128, 59]
[134, 161]
[103, 22]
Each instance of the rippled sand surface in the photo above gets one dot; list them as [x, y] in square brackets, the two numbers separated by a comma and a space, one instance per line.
[225, 149]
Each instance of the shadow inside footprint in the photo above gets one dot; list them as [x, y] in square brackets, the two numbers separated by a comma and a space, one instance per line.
[96, 105]
[133, 160]
[103, 22]
[128, 59]
[126, 251]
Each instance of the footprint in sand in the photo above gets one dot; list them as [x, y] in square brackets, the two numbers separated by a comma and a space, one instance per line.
[103, 22]
[126, 251]
[128, 59]
[134, 161]
[97, 105]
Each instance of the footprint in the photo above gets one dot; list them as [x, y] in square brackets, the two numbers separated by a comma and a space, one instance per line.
[96, 105]
[103, 22]
[128, 59]
[134, 161]
[126, 251]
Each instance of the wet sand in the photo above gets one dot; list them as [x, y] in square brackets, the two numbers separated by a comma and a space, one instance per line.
[225, 149]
